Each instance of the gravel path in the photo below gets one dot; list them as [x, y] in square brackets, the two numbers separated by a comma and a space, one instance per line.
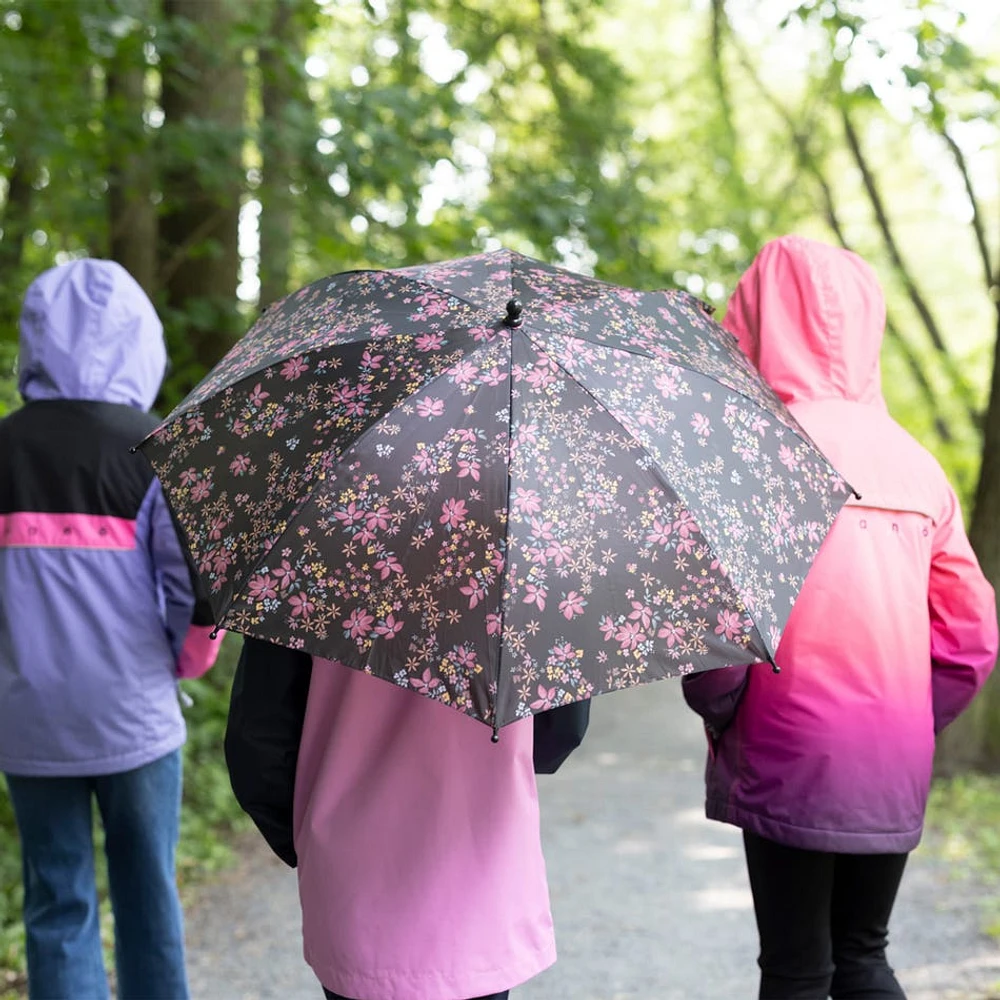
[650, 899]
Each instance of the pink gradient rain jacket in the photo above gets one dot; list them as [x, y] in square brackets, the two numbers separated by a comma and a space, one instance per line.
[895, 629]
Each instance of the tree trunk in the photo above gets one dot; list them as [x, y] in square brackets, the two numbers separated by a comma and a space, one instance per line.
[204, 89]
[282, 93]
[132, 221]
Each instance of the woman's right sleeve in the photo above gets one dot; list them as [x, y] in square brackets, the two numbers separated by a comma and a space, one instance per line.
[266, 713]
[963, 619]
[715, 695]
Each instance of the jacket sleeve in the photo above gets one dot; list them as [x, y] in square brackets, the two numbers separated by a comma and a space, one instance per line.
[715, 695]
[266, 713]
[963, 619]
[558, 732]
[187, 613]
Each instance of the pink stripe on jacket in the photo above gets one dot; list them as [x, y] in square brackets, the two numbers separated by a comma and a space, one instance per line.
[419, 856]
[895, 629]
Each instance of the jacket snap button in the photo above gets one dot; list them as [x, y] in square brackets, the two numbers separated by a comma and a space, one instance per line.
[864, 524]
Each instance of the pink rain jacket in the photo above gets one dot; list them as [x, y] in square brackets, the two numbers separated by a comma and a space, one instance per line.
[895, 629]
[419, 855]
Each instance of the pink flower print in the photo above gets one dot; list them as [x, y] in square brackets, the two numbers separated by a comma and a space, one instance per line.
[387, 566]
[497, 560]
[201, 489]
[475, 592]
[425, 683]
[607, 627]
[453, 512]
[685, 524]
[424, 461]
[759, 424]
[380, 329]
[542, 530]
[701, 424]
[641, 614]
[629, 635]
[788, 458]
[659, 534]
[493, 624]
[257, 395]
[285, 574]
[359, 623]
[494, 376]
[301, 606]
[239, 465]
[558, 552]
[729, 624]
[464, 657]
[428, 407]
[215, 528]
[545, 700]
[377, 520]
[350, 515]
[371, 361]
[647, 419]
[464, 372]
[294, 368]
[389, 628]
[262, 587]
[189, 476]
[526, 501]
[672, 633]
[572, 605]
[535, 593]
[429, 342]
[540, 377]
[196, 422]
[468, 467]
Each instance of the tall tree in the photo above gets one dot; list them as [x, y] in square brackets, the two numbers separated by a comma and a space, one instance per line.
[201, 152]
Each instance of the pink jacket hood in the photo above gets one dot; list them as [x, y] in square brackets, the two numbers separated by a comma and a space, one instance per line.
[811, 319]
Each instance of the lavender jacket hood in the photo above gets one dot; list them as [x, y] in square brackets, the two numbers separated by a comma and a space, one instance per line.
[96, 599]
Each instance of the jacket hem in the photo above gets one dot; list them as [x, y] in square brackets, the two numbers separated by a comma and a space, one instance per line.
[96, 766]
[401, 985]
[811, 839]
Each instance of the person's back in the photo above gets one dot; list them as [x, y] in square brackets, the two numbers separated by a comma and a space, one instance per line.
[96, 609]
[894, 630]
[417, 839]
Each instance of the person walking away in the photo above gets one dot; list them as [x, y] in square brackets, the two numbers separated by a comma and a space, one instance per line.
[417, 839]
[826, 765]
[96, 611]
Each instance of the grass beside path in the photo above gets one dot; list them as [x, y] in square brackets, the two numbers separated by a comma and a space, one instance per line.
[209, 819]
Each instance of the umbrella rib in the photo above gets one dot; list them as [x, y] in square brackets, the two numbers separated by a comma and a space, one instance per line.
[655, 466]
[794, 427]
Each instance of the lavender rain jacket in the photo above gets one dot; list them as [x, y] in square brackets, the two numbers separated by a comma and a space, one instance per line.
[96, 598]
[895, 629]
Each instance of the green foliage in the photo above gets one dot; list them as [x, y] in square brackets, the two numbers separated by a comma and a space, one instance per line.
[209, 815]
[963, 822]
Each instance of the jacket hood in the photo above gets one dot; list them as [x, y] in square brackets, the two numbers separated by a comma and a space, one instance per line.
[811, 319]
[88, 331]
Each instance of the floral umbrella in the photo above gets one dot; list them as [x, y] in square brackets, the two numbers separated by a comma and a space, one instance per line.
[498, 483]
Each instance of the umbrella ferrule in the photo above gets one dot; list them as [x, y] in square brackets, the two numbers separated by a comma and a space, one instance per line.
[513, 317]
[495, 738]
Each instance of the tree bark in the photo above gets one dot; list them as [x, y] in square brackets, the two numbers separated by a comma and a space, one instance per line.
[204, 90]
[282, 93]
[132, 218]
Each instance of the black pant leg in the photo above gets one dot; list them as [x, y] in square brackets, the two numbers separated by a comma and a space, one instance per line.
[864, 891]
[791, 897]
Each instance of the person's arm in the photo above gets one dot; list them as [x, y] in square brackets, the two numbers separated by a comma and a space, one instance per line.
[715, 695]
[558, 732]
[963, 619]
[187, 614]
[266, 713]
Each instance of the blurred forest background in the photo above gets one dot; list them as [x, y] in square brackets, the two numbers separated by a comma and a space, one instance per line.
[228, 151]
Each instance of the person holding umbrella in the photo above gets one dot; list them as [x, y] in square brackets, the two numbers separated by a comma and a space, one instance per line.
[826, 766]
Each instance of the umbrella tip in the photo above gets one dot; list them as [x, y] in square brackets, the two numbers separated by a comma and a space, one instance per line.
[513, 317]
[495, 738]
[214, 634]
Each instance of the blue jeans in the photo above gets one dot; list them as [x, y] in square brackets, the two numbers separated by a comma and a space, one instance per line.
[140, 811]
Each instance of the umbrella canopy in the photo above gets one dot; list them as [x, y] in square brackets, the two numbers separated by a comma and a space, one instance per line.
[498, 483]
